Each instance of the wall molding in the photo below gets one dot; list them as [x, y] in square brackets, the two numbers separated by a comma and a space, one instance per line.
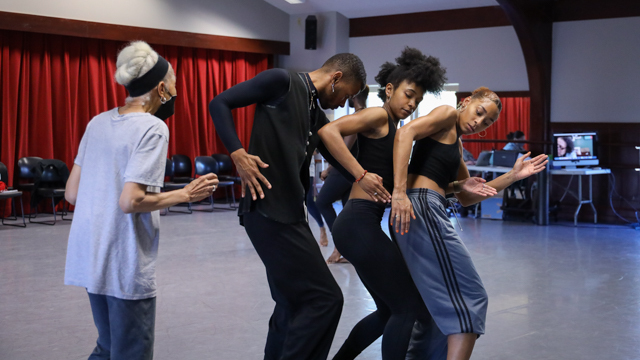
[576, 10]
[487, 16]
[470, 18]
[95, 30]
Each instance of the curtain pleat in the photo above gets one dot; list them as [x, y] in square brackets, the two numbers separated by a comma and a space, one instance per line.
[51, 86]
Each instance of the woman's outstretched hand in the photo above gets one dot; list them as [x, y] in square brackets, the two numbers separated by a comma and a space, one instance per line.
[476, 185]
[202, 187]
[524, 168]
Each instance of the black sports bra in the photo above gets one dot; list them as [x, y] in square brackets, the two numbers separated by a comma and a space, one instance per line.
[435, 160]
[376, 155]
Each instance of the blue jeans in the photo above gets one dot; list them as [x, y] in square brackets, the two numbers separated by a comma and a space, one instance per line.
[125, 328]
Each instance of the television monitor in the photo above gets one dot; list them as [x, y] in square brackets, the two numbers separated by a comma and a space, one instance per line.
[575, 149]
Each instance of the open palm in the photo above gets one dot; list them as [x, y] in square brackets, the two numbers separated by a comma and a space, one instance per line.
[525, 168]
[476, 185]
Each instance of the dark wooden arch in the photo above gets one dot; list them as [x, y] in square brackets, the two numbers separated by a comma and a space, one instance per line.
[533, 23]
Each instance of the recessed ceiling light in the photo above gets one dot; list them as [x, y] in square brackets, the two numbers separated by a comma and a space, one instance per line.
[295, 1]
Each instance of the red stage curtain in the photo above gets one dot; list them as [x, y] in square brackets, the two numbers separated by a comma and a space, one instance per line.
[53, 85]
[514, 116]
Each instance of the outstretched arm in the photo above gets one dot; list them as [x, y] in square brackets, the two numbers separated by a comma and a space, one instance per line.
[267, 87]
[135, 198]
[521, 170]
[470, 185]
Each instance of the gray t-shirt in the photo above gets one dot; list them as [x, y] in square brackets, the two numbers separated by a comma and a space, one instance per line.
[110, 252]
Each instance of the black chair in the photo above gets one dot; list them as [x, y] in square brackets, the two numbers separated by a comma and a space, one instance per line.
[205, 165]
[28, 169]
[10, 194]
[50, 183]
[179, 171]
[182, 169]
[225, 166]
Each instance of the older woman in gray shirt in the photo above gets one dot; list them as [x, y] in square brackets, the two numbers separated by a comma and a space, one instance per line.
[115, 185]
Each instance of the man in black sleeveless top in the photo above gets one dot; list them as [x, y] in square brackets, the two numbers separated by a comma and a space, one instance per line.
[275, 177]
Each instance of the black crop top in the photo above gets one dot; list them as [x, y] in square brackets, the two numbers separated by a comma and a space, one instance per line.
[376, 155]
[435, 160]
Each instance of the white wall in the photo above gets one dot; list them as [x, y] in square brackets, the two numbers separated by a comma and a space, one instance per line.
[333, 38]
[596, 71]
[490, 57]
[253, 19]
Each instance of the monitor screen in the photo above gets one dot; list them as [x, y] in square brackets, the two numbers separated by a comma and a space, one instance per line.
[574, 146]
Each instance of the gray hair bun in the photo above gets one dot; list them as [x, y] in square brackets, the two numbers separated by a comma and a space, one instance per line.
[134, 61]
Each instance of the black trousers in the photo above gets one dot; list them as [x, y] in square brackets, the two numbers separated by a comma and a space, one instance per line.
[308, 299]
[335, 188]
[358, 236]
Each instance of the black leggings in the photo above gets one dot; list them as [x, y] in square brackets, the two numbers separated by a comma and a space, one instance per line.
[311, 204]
[335, 188]
[358, 236]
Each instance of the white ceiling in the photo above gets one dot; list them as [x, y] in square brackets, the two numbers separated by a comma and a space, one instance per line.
[364, 8]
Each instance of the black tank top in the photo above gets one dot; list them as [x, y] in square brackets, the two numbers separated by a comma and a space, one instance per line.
[435, 160]
[376, 155]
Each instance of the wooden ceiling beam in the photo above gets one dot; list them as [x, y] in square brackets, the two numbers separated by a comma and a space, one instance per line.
[95, 30]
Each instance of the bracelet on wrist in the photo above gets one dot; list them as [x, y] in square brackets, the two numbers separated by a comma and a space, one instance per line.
[456, 187]
[361, 177]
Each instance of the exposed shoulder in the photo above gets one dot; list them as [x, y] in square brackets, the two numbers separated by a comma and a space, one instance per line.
[438, 122]
[376, 115]
[445, 113]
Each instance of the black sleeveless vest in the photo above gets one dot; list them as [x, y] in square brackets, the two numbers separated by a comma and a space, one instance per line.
[285, 136]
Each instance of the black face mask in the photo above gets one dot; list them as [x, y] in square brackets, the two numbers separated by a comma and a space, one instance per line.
[167, 109]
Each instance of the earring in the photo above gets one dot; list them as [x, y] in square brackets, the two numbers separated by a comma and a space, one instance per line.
[333, 89]
[162, 100]
[485, 133]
